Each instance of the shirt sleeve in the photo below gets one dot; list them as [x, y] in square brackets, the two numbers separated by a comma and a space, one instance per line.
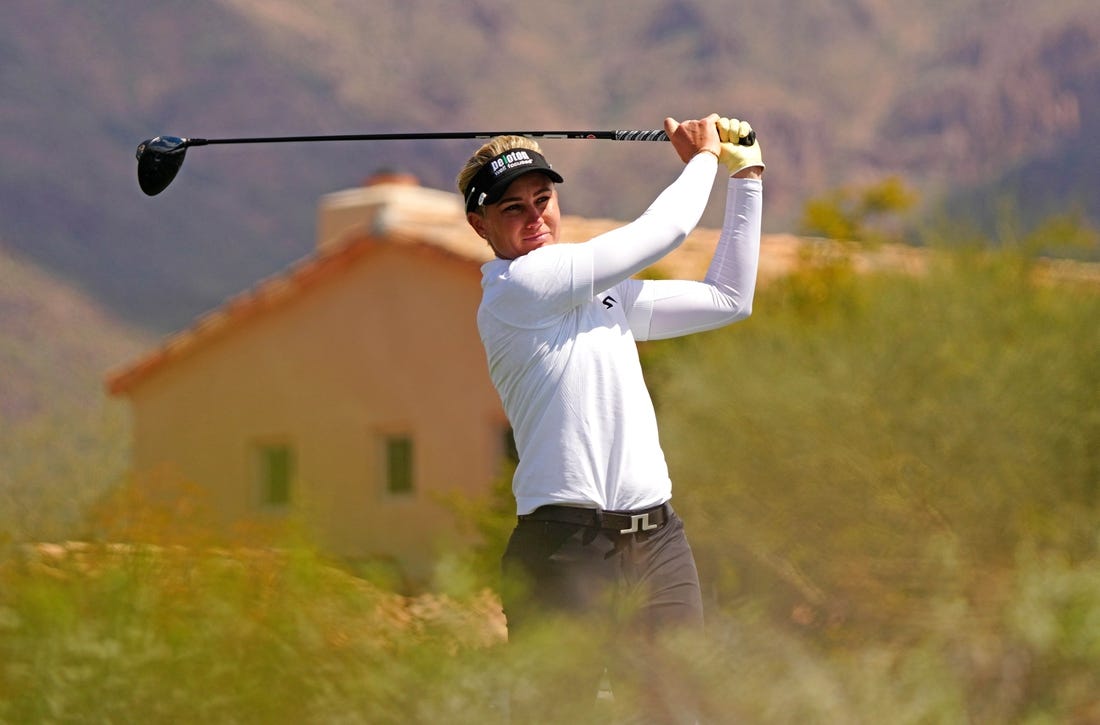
[659, 309]
[627, 250]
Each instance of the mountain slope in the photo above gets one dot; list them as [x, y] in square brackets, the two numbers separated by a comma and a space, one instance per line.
[969, 95]
[62, 442]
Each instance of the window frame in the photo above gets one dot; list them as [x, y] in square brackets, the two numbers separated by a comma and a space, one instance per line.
[405, 443]
[265, 483]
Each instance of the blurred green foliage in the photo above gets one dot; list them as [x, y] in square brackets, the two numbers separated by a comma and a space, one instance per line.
[907, 469]
[143, 633]
[871, 213]
[891, 483]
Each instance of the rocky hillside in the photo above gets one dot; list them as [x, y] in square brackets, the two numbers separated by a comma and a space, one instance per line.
[971, 101]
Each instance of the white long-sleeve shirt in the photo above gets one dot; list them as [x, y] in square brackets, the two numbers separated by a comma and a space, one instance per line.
[559, 326]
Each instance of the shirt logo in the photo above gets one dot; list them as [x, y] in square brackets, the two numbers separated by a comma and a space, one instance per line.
[609, 302]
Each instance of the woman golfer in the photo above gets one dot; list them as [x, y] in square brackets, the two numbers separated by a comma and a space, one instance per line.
[596, 538]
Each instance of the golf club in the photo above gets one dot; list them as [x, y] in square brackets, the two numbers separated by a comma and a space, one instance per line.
[159, 159]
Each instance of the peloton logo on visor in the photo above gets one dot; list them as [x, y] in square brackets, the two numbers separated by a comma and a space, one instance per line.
[510, 161]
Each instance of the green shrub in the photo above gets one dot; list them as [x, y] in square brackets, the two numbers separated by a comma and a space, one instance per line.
[870, 458]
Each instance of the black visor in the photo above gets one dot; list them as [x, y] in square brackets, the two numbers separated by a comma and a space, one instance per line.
[493, 179]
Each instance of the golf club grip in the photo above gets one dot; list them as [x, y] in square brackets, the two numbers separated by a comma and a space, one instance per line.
[662, 136]
[640, 135]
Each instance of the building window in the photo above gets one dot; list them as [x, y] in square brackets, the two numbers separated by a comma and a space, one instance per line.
[276, 473]
[399, 464]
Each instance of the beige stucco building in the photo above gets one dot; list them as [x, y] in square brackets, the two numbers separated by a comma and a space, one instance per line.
[351, 389]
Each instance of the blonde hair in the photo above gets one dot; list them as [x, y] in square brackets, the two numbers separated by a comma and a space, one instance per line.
[496, 145]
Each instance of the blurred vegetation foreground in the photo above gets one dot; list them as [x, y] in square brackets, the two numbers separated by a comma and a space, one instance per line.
[891, 482]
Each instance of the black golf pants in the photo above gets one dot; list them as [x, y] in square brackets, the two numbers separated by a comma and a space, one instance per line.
[582, 602]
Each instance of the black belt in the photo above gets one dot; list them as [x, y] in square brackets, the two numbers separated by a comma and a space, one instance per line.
[625, 522]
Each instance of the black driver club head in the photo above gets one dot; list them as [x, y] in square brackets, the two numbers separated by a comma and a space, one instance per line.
[159, 160]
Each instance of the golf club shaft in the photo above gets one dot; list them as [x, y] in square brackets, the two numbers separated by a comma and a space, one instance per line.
[617, 135]
[610, 135]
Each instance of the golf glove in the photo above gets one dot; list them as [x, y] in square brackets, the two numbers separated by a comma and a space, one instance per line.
[733, 155]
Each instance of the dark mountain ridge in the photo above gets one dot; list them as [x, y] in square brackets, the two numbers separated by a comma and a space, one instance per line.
[964, 100]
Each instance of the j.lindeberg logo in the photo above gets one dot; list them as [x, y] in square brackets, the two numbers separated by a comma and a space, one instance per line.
[510, 161]
[609, 302]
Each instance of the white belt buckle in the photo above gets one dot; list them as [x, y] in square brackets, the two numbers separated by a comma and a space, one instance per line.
[638, 522]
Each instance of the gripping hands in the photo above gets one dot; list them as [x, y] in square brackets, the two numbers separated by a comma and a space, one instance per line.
[735, 156]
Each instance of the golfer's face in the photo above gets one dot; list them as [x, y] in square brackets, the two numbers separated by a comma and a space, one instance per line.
[525, 218]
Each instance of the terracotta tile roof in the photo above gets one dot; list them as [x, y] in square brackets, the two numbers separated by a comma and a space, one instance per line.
[262, 297]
